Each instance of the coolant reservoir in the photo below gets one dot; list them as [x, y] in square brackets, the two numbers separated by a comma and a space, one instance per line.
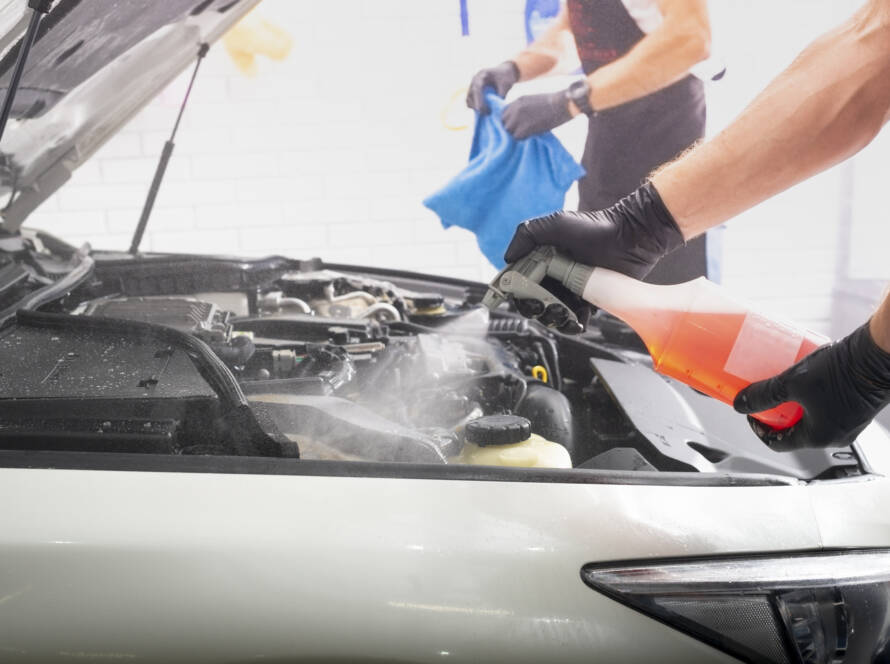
[506, 440]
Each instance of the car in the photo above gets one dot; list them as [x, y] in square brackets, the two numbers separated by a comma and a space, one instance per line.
[227, 459]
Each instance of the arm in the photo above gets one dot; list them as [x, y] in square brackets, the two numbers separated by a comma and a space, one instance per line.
[662, 57]
[539, 58]
[825, 107]
[547, 51]
[657, 60]
[830, 103]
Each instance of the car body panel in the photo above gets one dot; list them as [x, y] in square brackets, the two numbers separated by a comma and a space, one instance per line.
[161, 566]
[852, 513]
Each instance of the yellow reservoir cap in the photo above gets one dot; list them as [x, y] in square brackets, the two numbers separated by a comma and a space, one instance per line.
[534, 452]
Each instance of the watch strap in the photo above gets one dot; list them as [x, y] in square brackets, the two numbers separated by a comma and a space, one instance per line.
[579, 94]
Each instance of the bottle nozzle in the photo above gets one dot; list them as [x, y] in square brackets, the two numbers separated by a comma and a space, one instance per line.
[569, 273]
[522, 280]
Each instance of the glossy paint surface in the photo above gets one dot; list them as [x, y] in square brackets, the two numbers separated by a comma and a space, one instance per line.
[204, 567]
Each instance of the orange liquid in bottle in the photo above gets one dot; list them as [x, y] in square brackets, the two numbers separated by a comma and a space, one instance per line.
[699, 335]
[698, 353]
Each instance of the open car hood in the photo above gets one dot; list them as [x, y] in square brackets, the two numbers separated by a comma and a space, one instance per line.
[94, 64]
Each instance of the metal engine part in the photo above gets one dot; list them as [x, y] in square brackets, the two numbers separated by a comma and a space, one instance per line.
[335, 295]
[203, 319]
[275, 302]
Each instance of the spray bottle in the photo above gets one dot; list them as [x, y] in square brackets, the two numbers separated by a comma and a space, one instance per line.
[694, 331]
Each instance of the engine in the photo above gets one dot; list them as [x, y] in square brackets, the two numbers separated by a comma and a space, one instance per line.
[357, 368]
[212, 356]
[331, 365]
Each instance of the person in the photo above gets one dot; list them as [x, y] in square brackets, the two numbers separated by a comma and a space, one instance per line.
[828, 104]
[644, 106]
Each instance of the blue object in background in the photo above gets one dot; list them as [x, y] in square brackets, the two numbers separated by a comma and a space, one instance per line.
[464, 19]
[506, 182]
[539, 14]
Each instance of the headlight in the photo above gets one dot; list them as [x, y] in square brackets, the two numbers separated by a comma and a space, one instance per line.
[829, 608]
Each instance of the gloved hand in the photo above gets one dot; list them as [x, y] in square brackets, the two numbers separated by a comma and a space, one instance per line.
[628, 237]
[841, 388]
[535, 114]
[501, 78]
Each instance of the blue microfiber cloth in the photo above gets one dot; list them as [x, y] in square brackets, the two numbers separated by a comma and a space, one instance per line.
[506, 182]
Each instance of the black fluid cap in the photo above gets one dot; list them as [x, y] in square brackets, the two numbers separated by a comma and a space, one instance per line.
[498, 430]
[427, 300]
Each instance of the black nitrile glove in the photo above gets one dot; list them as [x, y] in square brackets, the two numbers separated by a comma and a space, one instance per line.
[628, 237]
[841, 388]
[501, 78]
[535, 114]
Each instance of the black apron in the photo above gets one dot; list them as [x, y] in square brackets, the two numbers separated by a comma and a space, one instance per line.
[627, 142]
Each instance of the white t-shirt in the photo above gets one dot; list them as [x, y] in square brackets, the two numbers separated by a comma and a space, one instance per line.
[645, 13]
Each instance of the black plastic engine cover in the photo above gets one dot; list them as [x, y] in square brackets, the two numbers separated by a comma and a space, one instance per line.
[40, 363]
[74, 390]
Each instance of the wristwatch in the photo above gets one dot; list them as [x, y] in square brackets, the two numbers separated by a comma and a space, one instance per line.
[579, 94]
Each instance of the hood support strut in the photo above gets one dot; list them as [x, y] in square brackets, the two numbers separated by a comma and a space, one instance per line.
[39, 8]
[164, 160]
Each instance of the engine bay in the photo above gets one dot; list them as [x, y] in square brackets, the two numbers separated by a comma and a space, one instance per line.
[274, 357]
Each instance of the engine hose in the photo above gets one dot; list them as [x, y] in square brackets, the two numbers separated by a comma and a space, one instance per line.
[236, 353]
[552, 365]
[555, 373]
[63, 286]
[547, 370]
[362, 295]
[374, 309]
[276, 301]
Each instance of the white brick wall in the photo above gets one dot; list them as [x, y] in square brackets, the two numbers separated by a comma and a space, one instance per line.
[330, 152]
[781, 255]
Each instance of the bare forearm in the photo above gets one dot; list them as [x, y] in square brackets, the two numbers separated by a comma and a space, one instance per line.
[825, 107]
[534, 63]
[662, 57]
[545, 53]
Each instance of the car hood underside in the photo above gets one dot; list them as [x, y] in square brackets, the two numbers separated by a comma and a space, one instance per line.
[93, 65]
